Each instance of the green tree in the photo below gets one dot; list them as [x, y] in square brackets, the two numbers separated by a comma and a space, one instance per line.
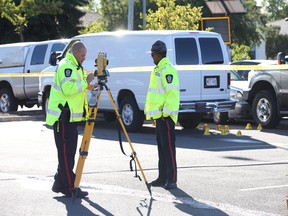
[276, 9]
[275, 42]
[245, 28]
[240, 52]
[19, 14]
[64, 25]
[170, 16]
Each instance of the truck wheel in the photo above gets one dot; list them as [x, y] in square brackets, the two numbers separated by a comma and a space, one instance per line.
[220, 117]
[132, 117]
[8, 102]
[190, 121]
[264, 109]
[109, 116]
[45, 102]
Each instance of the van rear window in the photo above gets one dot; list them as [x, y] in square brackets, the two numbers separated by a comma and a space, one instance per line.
[186, 51]
[211, 51]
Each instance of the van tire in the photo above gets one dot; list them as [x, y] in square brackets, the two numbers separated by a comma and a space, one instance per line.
[265, 110]
[131, 115]
[220, 117]
[8, 103]
[190, 121]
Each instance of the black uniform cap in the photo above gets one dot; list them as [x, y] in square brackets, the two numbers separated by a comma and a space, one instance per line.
[159, 47]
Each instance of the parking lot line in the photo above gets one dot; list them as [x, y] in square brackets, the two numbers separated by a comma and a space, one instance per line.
[263, 188]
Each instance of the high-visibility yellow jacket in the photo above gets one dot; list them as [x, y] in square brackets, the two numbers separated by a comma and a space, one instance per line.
[163, 95]
[69, 85]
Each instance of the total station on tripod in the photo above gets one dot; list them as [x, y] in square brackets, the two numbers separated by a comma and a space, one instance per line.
[101, 62]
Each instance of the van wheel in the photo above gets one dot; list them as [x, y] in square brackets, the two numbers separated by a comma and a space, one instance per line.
[132, 117]
[190, 121]
[220, 117]
[8, 102]
[264, 109]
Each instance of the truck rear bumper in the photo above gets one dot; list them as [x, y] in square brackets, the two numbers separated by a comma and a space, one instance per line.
[208, 106]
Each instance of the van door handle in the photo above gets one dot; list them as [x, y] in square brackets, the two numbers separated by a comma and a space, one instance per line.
[221, 89]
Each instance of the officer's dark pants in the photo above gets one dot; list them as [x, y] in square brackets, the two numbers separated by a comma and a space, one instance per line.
[66, 137]
[165, 136]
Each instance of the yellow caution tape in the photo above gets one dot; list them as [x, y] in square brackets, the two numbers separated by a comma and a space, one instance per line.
[178, 67]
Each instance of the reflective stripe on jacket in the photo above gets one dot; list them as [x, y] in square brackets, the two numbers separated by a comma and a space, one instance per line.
[163, 95]
[70, 88]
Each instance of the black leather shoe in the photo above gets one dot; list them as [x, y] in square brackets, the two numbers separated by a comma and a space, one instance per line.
[80, 194]
[57, 188]
[158, 183]
[170, 185]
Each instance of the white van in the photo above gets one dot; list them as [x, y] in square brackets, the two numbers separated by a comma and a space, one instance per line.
[130, 65]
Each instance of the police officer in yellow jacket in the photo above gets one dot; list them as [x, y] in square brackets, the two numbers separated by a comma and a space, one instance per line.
[67, 106]
[162, 105]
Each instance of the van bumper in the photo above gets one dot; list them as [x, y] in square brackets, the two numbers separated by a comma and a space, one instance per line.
[208, 106]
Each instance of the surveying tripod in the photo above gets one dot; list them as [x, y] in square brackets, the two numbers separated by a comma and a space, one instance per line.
[101, 62]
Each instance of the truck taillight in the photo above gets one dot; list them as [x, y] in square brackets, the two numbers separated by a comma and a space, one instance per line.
[228, 80]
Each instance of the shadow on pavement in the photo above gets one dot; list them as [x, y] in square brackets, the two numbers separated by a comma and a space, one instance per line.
[146, 205]
[76, 208]
[185, 203]
[190, 139]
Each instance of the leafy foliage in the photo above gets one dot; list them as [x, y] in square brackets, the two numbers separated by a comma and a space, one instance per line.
[19, 14]
[240, 52]
[170, 16]
[245, 27]
[276, 9]
[275, 42]
[61, 22]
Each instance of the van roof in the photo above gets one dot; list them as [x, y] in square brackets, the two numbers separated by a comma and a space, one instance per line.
[147, 33]
[23, 44]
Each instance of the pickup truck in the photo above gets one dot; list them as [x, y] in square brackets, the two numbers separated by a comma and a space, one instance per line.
[267, 95]
[130, 65]
[24, 58]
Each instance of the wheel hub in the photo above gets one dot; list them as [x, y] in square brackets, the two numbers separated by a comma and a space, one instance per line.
[263, 110]
[127, 114]
[4, 103]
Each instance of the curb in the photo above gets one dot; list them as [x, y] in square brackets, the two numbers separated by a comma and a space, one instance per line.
[22, 116]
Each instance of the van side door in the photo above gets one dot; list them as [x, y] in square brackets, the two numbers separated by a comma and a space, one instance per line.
[215, 83]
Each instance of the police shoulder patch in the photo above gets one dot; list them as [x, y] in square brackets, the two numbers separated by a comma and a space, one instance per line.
[68, 72]
[169, 78]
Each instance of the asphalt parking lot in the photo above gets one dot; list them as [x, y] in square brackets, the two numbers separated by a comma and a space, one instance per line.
[217, 174]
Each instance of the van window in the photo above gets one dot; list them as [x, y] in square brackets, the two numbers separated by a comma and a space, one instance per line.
[58, 47]
[38, 55]
[211, 51]
[186, 51]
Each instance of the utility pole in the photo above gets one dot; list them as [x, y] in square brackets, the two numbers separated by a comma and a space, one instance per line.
[130, 14]
[144, 14]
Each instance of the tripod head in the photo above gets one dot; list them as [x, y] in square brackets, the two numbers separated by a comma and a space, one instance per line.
[101, 62]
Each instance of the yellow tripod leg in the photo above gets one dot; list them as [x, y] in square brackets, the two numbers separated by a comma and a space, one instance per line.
[129, 141]
[83, 152]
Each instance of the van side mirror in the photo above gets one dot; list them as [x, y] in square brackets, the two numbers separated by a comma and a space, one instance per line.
[281, 58]
[53, 59]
